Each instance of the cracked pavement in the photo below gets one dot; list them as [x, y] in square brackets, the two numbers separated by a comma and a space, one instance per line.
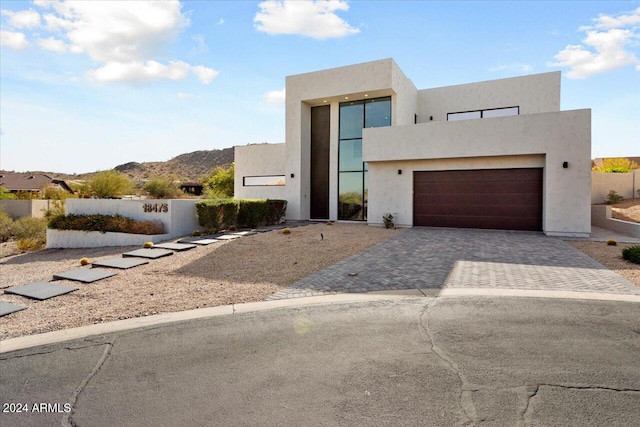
[460, 361]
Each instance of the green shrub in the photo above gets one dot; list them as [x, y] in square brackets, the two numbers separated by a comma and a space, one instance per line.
[388, 221]
[160, 187]
[28, 245]
[276, 210]
[286, 231]
[252, 213]
[611, 242]
[614, 197]
[105, 223]
[6, 226]
[632, 254]
[109, 184]
[30, 228]
[216, 214]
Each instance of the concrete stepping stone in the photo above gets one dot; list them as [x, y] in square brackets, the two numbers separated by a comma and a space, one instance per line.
[243, 233]
[228, 237]
[205, 242]
[8, 308]
[84, 275]
[178, 247]
[148, 253]
[120, 263]
[40, 290]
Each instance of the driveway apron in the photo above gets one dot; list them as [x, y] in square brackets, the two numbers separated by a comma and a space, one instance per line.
[434, 258]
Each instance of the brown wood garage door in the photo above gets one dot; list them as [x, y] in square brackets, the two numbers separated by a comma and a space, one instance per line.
[504, 199]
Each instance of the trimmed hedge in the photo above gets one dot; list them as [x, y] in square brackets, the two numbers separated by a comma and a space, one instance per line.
[105, 223]
[632, 253]
[218, 214]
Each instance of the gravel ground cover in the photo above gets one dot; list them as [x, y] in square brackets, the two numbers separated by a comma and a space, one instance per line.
[243, 270]
[627, 210]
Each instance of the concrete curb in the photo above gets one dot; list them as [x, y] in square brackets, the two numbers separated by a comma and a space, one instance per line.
[21, 343]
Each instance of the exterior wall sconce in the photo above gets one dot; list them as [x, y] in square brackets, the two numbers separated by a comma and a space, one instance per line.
[399, 171]
[565, 165]
[292, 175]
[431, 118]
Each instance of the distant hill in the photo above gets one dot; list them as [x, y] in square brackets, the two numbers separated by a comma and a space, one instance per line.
[185, 167]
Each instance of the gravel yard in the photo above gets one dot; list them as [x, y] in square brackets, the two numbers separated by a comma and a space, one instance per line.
[244, 270]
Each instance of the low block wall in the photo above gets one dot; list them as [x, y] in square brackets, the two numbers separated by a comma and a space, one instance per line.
[625, 184]
[178, 217]
[601, 217]
[96, 239]
[24, 208]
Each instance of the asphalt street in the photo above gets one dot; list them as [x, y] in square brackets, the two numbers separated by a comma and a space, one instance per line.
[449, 361]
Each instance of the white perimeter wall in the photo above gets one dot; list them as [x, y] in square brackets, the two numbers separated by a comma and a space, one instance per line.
[539, 93]
[558, 137]
[625, 184]
[179, 220]
[259, 160]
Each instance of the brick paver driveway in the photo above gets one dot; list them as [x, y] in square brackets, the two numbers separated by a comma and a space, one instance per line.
[431, 258]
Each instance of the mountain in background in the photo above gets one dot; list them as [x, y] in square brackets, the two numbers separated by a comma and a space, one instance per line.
[185, 167]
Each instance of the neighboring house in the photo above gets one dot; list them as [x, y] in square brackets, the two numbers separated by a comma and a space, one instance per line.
[192, 187]
[362, 142]
[32, 182]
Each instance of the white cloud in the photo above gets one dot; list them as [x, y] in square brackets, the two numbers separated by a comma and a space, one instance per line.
[316, 19]
[23, 19]
[53, 44]
[125, 38]
[604, 48]
[139, 72]
[13, 40]
[275, 96]
[220, 21]
[608, 22]
[205, 75]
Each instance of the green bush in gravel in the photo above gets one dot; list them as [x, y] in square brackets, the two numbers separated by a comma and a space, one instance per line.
[6, 225]
[105, 223]
[632, 254]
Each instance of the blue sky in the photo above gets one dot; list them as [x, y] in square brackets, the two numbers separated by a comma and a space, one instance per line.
[89, 85]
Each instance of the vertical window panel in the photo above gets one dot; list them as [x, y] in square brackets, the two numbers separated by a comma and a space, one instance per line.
[377, 113]
[351, 120]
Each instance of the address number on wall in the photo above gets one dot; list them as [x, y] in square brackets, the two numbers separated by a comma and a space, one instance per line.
[156, 207]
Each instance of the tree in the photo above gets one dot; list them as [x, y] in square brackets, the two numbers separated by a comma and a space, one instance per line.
[616, 165]
[220, 183]
[160, 187]
[109, 184]
[6, 194]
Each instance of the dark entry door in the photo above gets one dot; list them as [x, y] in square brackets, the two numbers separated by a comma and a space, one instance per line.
[320, 131]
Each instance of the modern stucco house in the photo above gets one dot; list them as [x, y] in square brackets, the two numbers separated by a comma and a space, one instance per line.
[362, 141]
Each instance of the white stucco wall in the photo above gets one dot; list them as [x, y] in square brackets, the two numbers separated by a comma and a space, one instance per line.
[259, 160]
[330, 87]
[558, 136]
[538, 93]
[179, 220]
[625, 184]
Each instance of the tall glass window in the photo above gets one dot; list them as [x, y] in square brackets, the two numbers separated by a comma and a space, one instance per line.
[352, 171]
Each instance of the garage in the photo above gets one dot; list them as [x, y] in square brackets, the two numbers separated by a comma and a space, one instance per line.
[504, 199]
